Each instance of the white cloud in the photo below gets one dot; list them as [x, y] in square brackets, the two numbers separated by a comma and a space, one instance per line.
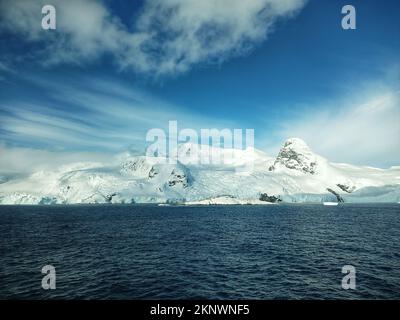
[363, 129]
[91, 113]
[16, 160]
[182, 33]
[168, 37]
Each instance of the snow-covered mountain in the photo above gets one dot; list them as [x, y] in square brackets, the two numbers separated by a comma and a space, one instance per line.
[296, 175]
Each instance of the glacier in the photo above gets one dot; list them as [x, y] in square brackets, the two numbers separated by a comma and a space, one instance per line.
[296, 174]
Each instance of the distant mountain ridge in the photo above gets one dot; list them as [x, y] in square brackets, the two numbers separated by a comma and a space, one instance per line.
[297, 174]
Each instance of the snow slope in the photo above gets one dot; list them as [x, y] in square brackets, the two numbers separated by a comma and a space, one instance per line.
[296, 175]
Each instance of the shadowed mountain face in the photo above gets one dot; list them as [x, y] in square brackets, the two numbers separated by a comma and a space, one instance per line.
[296, 175]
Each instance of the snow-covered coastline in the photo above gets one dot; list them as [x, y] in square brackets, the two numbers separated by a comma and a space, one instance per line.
[226, 200]
[295, 175]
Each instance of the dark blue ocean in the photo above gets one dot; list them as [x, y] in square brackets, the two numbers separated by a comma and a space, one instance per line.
[223, 252]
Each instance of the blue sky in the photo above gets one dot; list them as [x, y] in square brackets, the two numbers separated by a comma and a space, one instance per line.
[113, 70]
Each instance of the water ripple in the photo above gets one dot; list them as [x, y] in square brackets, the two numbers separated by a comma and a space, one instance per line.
[238, 252]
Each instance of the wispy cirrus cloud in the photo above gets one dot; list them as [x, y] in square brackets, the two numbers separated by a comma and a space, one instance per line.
[167, 38]
[362, 127]
[24, 160]
[90, 113]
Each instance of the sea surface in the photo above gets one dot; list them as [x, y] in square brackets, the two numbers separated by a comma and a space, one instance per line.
[213, 252]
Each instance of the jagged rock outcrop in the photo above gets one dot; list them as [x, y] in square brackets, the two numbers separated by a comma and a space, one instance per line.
[346, 188]
[337, 195]
[296, 155]
[267, 198]
[141, 167]
[153, 172]
[137, 167]
[179, 176]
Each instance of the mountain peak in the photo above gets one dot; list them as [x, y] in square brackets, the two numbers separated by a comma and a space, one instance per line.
[297, 155]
